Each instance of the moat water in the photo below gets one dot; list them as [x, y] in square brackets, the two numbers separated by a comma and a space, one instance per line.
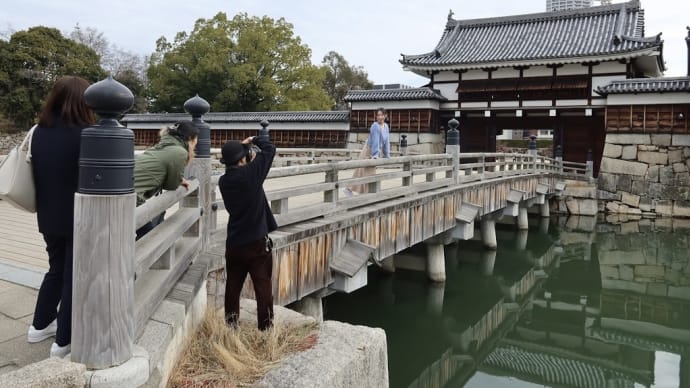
[574, 303]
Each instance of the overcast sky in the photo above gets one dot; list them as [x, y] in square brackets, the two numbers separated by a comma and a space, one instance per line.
[371, 34]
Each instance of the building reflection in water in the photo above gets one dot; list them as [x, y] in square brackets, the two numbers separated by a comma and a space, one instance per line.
[577, 304]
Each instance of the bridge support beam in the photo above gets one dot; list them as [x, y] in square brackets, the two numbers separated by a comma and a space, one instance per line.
[522, 220]
[311, 306]
[388, 264]
[544, 225]
[488, 229]
[435, 262]
[488, 261]
[544, 209]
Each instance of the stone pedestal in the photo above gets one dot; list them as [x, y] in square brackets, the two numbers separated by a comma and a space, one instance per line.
[544, 209]
[522, 220]
[311, 306]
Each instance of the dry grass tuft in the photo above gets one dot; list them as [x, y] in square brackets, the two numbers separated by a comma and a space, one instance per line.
[219, 356]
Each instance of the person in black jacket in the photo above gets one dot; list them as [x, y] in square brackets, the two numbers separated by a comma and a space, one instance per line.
[55, 162]
[248, 247]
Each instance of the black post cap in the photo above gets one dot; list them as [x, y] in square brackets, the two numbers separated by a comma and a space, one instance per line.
[453, 135]
[197, 107]
[106, 161]
[532, 142]
[559, 151]
[264, 132]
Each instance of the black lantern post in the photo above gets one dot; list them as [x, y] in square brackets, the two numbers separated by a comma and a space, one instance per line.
[263, 132]
[403, 145]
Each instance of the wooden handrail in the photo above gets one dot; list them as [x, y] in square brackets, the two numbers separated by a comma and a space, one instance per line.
[160, 203]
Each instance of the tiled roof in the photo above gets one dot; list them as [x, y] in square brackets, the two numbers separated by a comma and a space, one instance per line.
[245, 117]
[612, 31]
[647, 85]
[394, 95]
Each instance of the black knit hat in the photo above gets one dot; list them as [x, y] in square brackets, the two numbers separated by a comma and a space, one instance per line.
[233, 151]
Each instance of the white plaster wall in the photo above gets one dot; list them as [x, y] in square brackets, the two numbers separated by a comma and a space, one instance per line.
[572, 69]
[609, 67]
[473, 105]
[446, 76]
[475, 74]
[648, 98]
[571, 102]
[603, 81]
[412, 104]
[448, 90]
[504, 104]
[533, 103]
[505, 72]
[537, 71]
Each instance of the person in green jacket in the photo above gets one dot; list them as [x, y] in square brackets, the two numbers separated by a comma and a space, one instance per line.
[162, 166]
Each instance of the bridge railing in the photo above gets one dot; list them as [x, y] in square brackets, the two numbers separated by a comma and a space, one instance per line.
[162, 255]
[303, 192]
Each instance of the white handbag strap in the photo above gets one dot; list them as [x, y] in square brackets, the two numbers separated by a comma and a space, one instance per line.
[27, 143]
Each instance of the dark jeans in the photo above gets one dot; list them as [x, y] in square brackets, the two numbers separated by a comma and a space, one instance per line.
[252, 259]
[56, 289]
[141, 232]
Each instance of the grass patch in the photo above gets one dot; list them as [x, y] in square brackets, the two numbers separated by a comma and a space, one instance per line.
[220, 356]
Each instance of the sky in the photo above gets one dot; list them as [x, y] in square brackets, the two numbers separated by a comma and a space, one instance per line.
[371, 34]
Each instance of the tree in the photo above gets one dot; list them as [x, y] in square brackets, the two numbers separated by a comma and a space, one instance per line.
[341, 77]
[31, 61]
[125, 66]
[243, 64]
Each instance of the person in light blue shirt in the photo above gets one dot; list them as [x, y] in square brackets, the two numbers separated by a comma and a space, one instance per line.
[377, 144]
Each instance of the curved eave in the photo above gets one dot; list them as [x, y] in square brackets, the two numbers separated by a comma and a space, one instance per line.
[425, 70]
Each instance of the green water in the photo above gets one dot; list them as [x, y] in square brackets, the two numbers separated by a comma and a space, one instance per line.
[582, 304]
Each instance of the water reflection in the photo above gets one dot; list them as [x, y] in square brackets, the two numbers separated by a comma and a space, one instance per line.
[574, 304]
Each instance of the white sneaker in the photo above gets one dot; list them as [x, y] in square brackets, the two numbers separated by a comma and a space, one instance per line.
[39, 335]
[59, 351]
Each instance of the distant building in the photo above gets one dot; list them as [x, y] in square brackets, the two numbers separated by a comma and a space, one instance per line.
[562, 5]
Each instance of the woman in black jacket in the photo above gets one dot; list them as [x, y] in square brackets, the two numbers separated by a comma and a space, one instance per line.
[55, 161]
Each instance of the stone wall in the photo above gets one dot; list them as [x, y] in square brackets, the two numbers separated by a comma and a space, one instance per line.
[646, 174]
[9, 141]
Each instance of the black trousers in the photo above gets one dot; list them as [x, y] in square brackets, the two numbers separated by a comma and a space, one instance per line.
[56, 289]
[255, 260]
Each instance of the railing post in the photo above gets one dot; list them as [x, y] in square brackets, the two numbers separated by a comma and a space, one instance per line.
[403, 145]
[559, 158]
[453, 147]
[331, 196]
[103, 266]
[200, 167]
[590, 164]
[407, 166]
[532, 150]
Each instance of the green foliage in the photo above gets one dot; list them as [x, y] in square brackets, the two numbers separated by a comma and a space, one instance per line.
[239, 64]
[31, 61]
[341, 77]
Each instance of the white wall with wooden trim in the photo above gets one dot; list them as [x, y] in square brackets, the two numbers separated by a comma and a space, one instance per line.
[648, 98]
[446, 76]
[475, 74]
[448, 90]
[505, 72]
[609, 67]
[537, 71]
[572, 69]
[603, 81]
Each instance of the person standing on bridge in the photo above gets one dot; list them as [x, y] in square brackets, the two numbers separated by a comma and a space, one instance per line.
[248, 249]
[161, 167]
[55, 162]
[377, 143]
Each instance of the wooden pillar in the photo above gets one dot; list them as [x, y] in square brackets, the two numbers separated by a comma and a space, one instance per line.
[200, 167]
[103, 274]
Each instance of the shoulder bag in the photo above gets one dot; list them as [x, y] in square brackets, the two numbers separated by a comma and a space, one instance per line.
[17, 178]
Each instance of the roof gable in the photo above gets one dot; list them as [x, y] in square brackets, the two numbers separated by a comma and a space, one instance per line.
[647, 85]
[580, 33]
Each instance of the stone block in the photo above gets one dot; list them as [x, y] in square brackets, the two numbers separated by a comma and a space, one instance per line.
[681, 225]
[683, 179]
[630, 228]
[666, 175]
[624, 183]
[653, 174]
[613, 206]
[604, 195]
[51, 372]
[626, 272]
[647, 148]
[681, 209]
[617, 166]
[623, 285]
[679, 140]
[664, 207]
[672, 277]
[639, 188]
[613, 150]
[686, 152]
[657, 289]
[609, 271]
[675, 156]
[679, 292]
[652, 157]
[661, 140]
[353, 356]
[679, 167]
[580, 191]
[645, 204]
[629, 152]
[617, 138]
[630, 199]
[619, 257]
[649, 271]
[607, 182]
